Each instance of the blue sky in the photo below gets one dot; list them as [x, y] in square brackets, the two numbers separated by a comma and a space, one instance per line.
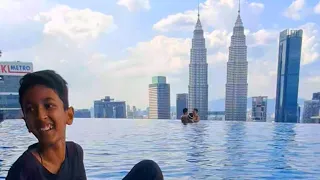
[114, 47]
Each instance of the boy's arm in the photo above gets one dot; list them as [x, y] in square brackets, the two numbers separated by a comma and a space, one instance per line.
[196, 119]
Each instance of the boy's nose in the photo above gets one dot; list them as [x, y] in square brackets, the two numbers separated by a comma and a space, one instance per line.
[42, 114]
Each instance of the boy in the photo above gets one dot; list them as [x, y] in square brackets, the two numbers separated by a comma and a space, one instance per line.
[195, 117]
[184, 117]
[43, 97]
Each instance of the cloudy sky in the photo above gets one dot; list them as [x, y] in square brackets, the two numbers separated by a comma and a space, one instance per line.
[114, 47]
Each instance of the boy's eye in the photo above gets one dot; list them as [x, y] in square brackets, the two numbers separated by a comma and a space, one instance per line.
[29, 109]
[48, 106]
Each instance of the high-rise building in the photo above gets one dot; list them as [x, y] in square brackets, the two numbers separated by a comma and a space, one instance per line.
[198, 73]
[108, 108]
[82, 113]
[316, 96]
[159, 98]
[237, 74]
[259, 108]
[311, 109]
[134, 112]
[288, 76]
[10, 75]
[181, 103]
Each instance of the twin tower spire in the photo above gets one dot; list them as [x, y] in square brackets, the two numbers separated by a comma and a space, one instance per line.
[199, 26]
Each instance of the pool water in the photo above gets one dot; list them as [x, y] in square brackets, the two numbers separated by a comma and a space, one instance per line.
[207, 150]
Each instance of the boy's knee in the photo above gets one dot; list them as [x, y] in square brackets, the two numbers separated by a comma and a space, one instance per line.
[152, 167]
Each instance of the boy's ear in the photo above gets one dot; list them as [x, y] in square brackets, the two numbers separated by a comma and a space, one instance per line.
[70, 113]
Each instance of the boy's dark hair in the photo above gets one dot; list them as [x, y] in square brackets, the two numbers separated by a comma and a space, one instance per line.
[46, 78]
[196, 110]
[185, 110]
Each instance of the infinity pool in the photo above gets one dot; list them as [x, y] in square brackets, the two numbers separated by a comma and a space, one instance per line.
[207, 150]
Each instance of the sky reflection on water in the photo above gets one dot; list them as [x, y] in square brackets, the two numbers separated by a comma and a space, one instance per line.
[207, 150]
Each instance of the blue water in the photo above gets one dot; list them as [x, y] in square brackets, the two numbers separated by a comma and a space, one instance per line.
[207, 150]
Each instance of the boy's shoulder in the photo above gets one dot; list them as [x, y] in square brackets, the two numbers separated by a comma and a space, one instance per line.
[26, 164]
[73, 147]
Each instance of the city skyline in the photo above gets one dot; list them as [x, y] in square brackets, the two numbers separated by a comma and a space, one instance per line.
[152, 42]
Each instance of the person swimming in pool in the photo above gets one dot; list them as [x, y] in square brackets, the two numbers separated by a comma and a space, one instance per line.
[43, 97]
[184, 117]
[195, 117]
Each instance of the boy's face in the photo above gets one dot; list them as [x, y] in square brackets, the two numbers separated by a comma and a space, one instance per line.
[195, 112]
[44, 114]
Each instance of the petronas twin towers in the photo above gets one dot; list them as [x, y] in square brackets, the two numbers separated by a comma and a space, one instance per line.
[237, 72]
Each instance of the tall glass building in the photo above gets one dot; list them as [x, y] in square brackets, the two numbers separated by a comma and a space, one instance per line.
[10, 75]
[288, 76]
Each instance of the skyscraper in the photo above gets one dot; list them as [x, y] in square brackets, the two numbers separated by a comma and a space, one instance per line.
[159, 98]
[108, 108]
[288, 76]
[198, 73]
[316, 96]
[311, 109]
[10, 75]
[237, 72]
[182, 102]
[259, 108]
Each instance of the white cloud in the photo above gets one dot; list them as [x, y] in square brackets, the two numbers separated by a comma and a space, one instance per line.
[310, 43]
[317, 8]
[262, 77]
[211, 13]
[20, 11]
[135, 5]
[314, 79]
[294, 10]
[256, 7]
[160, 55]
[264, 36]
[76, 24]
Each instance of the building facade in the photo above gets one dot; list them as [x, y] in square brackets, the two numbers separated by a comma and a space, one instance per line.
[259, 108]
[316, 96]
[159, 98]
[82, 113]
[108, 108]
[198, 73]
[288, 76]
[181, 103]
[237, 73]
[10, 75]
[311, 109]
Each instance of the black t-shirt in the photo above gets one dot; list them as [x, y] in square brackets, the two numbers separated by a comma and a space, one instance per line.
[27, 167]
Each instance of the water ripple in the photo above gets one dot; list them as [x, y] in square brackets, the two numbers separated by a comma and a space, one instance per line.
[207, 150]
